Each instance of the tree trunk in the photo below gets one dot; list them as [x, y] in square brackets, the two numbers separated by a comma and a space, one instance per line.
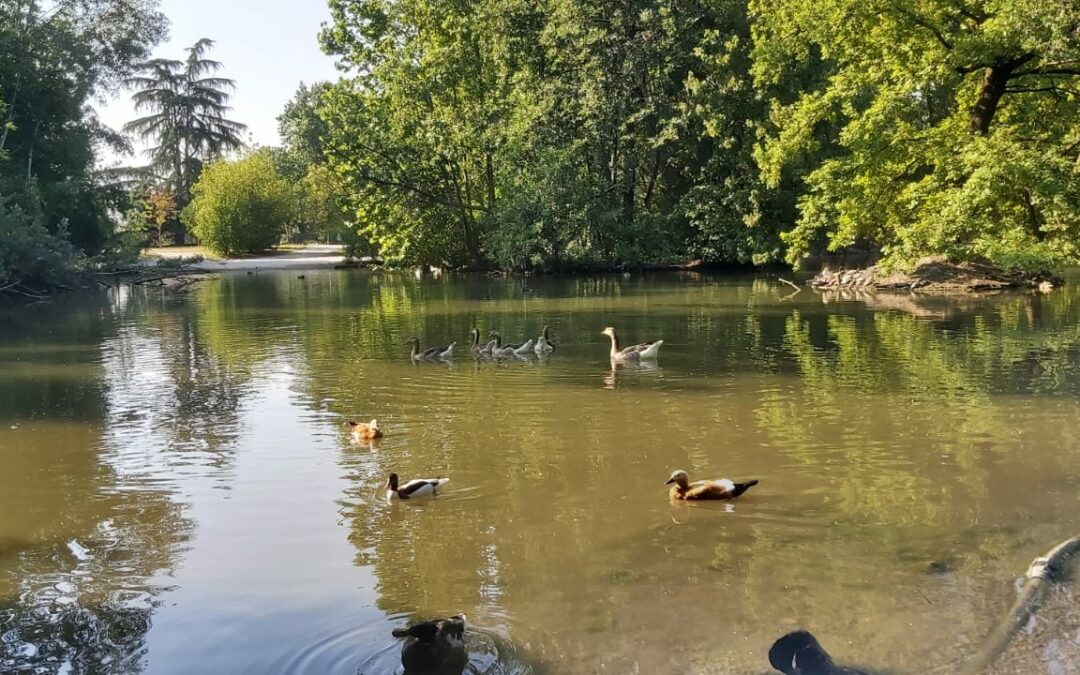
[995, 78]
[629, 184]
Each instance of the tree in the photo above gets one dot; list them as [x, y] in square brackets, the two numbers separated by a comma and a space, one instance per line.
[957, 126]
[241, 206]
[187, 106]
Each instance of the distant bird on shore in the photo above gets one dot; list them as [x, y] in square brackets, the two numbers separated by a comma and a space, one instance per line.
[645, 350]
[366, 432]
[799, 653]
[419, 487]
[431, 353]
[682, 488]
[436, 646]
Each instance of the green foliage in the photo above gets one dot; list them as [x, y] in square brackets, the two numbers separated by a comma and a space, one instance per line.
[240, 207]
[29, 255]
[955, 127]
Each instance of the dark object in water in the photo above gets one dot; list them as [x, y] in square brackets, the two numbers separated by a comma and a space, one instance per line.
[799, 653]
[434, 647]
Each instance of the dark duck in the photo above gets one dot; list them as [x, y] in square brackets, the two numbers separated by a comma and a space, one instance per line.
[434, 647]
[799, 653]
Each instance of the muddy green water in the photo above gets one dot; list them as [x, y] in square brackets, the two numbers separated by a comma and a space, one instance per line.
[179, 492]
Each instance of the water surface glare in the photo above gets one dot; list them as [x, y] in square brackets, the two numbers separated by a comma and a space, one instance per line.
[179, 491]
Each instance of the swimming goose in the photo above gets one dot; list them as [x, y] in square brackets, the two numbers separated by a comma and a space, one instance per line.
[436, 646]
[366, 432]
[543, 344]
[798, 653]
[431, 353]
[419, 487]
[478, 349]
[501, 350]
[705, 489]
[645, 350]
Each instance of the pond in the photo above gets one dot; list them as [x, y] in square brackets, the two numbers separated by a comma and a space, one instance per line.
[179, 491]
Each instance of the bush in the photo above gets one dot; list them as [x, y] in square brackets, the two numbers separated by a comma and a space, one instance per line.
[29, 255]
[240, 207]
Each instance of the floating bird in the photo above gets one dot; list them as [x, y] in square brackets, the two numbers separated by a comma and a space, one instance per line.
[525, 287]
[431, 353]
[798, 653]
[645, 350]
[543, 344]
[705, 489]
[301, 277]
[366, 432]
[420, 487]
[501, 350]
[436, 646]
[479, 350]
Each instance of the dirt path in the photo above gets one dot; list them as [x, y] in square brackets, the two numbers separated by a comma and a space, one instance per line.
[312, 256]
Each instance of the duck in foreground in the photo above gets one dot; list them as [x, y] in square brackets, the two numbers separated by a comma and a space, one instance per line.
[431, 353]
[436, 646]
[365, 432]
[645, 350]
[544, 345]
[418, 487]
[682, 488]
[501, 350]
[799, 653]
[479, 350]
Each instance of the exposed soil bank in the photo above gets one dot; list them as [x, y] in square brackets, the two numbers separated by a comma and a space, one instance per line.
[934, 275]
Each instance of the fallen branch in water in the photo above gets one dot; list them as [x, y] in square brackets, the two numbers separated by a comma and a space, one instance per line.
[795, 286]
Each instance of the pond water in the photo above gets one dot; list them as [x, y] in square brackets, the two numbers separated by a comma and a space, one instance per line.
[179, 491]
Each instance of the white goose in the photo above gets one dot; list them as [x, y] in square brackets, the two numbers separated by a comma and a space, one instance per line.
[543, 344]
[418, 487]
[645, 350]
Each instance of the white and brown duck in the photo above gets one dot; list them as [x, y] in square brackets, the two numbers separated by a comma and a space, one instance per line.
[499, 350]
[633, 353]
[365, 432]
[431, 353]
[434, 647]
[683, 489]
[544, 345]
[480, 351]
[418, 487]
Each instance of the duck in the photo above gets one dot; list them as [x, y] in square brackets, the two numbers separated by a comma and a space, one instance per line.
[366, 432]
[478, 349]
[799, 653]
[431, 353]
[543, 344]
[418, 487]
[436, 646]
[645, 350]
[501, 350]
[682, 488]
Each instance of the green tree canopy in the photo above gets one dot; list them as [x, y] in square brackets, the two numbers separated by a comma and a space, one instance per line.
[941, 126]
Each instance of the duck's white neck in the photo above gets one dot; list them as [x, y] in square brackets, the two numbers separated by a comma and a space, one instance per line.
[614, 342]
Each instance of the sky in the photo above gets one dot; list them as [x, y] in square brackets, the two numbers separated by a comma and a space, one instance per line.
[268, 46]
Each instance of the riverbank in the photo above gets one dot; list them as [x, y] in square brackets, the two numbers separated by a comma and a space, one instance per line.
[934, 275]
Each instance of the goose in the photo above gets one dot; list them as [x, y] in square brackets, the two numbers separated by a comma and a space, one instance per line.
[431, 353]
[543, 344]
[479, 350]
[418, 487]
[436, 646]
[645, 350]
[798, 653]
[366, 432]
[501, 350]
[705, 489]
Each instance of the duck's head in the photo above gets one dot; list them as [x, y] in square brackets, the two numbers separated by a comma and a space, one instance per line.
[679, 477]
[799, 652]
[412, 340]
[609, 331]
[392, 482]
[374, 424]
[494, 333]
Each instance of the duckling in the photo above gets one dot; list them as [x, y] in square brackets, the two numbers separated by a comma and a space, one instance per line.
[365, 432]
[543, 344]
[478, 350]
[645, 350]
[418, 487]
[705, 489]
[798, 653]
[431, 353]
[436, 646]
[504, 351]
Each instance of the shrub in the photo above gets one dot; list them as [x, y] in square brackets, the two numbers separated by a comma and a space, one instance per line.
[240, 207]
[29, 255]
